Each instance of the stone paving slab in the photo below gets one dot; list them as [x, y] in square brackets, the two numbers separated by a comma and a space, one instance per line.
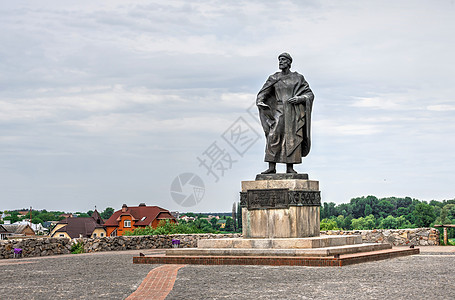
[411, 277]
[111, 275]
[104, 275]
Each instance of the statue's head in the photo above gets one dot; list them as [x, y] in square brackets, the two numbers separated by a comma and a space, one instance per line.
[284, 61]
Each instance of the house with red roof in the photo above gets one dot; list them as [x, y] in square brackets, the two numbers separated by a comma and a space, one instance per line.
[130, 218]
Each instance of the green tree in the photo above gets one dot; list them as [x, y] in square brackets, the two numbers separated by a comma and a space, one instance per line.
[328, 224]
[347, 223]
[239, 217]
[358, 205]
[444, 217]
[423, 214]
[107, 213]
[229, 224]
[384, 208]
[82, 215]
[402, 211]
[366, 223]
[213, 222]
[36, 220]
[388, 223]
[368, 210]
[12, 218]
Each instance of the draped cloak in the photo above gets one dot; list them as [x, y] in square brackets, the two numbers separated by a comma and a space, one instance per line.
[286, 125]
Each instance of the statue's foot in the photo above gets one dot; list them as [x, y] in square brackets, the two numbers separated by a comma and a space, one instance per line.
[269, 171]
[291, 171]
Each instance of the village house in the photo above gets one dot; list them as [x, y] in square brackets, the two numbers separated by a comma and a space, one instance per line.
[3, 232]
[130, 218]
[80, 227]
[23, 213]
[70, 215]
[18, 230]
[37, 228]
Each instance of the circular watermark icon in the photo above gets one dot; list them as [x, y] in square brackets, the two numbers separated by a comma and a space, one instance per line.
[187, 189]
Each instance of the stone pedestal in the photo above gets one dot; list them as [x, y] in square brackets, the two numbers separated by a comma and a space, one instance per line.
[280, 227]
[280, 206]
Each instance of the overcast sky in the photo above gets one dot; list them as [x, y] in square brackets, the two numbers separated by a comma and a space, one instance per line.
[107, 102]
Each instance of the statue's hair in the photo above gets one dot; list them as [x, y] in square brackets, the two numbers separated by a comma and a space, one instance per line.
[286, 55]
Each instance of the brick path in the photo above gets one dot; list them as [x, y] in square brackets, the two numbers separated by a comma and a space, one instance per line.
[158, 283]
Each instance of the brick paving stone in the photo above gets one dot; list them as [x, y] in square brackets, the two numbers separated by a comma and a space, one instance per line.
[158, 283]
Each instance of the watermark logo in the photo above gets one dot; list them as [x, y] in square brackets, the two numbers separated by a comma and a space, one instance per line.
[187, 189]
[240, 136]
[217, 159]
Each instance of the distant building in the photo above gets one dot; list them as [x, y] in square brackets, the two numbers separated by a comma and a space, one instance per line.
[3, 232]
[67, 215]
[222, 223]
[23, 212]
[130, 218]
[37, 228]
[18, 230]
[80, 227]
[186, 218]
[49, 224]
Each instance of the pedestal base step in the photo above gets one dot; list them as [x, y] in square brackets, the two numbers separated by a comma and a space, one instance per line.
[321, 252]
[281, 243]
[278, 260]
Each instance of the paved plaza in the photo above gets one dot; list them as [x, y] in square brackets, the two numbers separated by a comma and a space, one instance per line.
[112, 275]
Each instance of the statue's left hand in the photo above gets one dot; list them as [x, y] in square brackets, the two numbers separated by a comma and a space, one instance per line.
[295, 100]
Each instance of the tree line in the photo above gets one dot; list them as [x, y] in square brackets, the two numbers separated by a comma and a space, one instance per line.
[369, 212]
[41, 216]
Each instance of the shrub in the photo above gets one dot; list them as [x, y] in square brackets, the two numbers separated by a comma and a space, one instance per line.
[328, 224]
[166, 227]
[77, 248]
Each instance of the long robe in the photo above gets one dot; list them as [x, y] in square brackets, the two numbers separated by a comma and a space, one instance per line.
[286, 125]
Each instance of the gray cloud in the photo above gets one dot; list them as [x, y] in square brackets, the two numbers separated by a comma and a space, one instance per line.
[104, 104]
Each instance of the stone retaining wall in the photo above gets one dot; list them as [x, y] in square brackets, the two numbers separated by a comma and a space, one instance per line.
[35, 247]
[148, 241]
[53, 246]
[395, 237]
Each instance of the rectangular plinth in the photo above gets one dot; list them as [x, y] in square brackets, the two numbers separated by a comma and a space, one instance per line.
[283, 243]
[276, 260]
[292, 222]
[280, 208]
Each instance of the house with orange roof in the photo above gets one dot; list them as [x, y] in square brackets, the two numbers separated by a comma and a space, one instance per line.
[130, 218]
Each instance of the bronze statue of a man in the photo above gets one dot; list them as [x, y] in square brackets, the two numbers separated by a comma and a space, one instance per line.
[285, 102]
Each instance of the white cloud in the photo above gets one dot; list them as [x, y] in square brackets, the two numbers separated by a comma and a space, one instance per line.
[441, 107]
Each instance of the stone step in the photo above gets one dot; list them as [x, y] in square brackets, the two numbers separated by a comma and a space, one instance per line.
[310, 252]
[340, 261]
[281, 243]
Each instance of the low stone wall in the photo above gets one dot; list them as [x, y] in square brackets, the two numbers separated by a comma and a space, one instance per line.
[148, 241]
[395, 237]
[54, 246]
[35, 247]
